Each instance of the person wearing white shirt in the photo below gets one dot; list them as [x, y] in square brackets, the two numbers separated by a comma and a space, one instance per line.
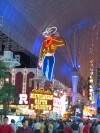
[37, 127]
[81, 127]
[98, 127]
[13, 125]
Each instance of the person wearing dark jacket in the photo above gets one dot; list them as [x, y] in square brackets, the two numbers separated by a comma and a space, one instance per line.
[25, 128]
[75, 127]
[92, 128]
[61, 127]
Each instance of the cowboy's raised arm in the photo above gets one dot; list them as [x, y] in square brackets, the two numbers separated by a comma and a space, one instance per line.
[59, 41]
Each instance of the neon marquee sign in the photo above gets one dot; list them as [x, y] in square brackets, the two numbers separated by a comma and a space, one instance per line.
[41, 100]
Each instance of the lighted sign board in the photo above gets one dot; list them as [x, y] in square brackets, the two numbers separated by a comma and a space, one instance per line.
[23, 99]
[41, 99]
[89, 111]
[16, 106]
[56, 104]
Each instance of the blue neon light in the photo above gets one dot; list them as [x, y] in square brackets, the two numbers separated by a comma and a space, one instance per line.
[12, 18]
[98, 101]
[37, 46]
[52, 70]
[8, 12]
[46, 73]
[65, 69]
[79, 25]
[75, 76]
[79, 66]
[84, 23]
[75, 84]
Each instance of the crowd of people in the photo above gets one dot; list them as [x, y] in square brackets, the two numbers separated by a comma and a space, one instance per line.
[50, 126]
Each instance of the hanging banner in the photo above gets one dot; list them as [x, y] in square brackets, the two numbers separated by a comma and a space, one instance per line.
[41, 100]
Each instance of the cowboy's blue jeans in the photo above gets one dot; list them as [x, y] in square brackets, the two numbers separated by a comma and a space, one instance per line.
[48, 66]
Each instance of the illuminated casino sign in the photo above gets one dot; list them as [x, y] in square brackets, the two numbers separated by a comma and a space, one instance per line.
[23, 99]
[57, 107]
[41, 100]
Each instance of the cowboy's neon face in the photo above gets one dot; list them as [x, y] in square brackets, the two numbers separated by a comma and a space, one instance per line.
[48, 38]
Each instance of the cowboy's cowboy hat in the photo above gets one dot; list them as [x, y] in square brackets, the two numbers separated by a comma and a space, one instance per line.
[50, 31]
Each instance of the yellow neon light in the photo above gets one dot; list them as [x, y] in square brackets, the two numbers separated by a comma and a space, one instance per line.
[43, 102]
[41, 96]
[41, 91]
[16, 106]
[41, 107]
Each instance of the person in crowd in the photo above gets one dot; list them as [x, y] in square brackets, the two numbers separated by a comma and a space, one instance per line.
[33, 129]
[5, 128]
[69, 123]
[81, 126]
[25, 128]
[67, 128]
[30, 123]
[0, 124]
[75, 127]
[13, 125]
[43, 127]
[86, 127]
[55, 126]
[92, 128]
[98, 127]
[61, 127]
[50, 128]
[37, 126]
[47, 126]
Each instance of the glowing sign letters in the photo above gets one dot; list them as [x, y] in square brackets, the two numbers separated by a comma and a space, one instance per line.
[23, 99]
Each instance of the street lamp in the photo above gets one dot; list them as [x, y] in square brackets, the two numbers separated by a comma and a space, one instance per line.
[9, 60]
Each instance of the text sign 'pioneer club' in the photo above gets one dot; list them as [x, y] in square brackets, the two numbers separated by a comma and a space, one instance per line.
[41, 100]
